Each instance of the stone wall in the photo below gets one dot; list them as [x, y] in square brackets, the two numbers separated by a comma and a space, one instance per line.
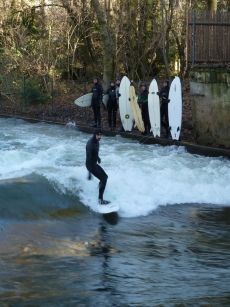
[210, 100]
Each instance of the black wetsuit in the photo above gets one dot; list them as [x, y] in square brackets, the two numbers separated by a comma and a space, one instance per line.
[143, 101]
[92, 150]
[112, 106]
[164, 94]
[97, 91]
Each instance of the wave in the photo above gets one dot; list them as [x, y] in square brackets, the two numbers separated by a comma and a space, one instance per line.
[141, 177]
[28, 198]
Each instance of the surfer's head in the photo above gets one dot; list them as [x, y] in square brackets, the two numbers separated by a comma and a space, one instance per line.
[97, 133]
[95, 79]
[166, 82]
[143, 86]
[112, 83]
[118, 81]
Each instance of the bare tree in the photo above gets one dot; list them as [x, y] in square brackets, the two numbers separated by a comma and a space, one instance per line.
[104, 14]
[166, 23]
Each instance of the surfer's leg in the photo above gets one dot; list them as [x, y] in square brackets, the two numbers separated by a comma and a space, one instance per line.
[144, 111]
[110, 115]
[162, 111]
[98, 116]
[94, 107]
[114, 114]
[166, 121]
[148, 124]
[166, 116]
[103, 182]
[99, 173]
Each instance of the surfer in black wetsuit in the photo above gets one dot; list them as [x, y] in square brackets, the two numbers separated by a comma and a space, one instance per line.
[97, 91]
[143, 102]
[92, 160]
[112, 106]
[164, 94]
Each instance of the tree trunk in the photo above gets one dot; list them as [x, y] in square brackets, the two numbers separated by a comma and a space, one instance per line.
[165, 34]
[212, 5]
[107, 39]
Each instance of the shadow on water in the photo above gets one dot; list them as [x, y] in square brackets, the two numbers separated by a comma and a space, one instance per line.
[221, 214]
[111, 218]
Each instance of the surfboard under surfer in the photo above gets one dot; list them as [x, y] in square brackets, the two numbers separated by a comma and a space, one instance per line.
[92, 160]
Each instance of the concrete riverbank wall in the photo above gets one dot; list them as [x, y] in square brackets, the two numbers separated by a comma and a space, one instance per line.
[210, 102]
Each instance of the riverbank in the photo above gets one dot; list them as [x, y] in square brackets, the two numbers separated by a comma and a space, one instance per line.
[64, 110]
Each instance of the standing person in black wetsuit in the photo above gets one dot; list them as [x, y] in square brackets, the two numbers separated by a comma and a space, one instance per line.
[92, 160]
[97, 91]
[164, 94]
[143, 102]
[112, 106]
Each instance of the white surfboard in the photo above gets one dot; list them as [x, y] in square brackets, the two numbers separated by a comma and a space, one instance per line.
[136, 109]
[175, 108]
[105, 209]
[84, 101]
[124, 105]
[154, 109]
[105, 99]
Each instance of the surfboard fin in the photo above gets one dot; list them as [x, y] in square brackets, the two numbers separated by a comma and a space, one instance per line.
[178, 128]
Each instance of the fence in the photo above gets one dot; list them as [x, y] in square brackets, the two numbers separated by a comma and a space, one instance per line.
[208, 37]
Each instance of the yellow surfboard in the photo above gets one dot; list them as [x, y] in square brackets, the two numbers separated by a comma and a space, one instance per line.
[136, 109]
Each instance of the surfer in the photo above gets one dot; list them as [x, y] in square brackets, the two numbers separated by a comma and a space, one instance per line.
[92, 160]
[143, 102]
[97, 91]
[112, 106]
[164, 94]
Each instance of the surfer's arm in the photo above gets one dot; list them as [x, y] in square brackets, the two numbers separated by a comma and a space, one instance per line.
[160, 94]
[89, 150]
[117, 93]
[101, 92]
[139, 100]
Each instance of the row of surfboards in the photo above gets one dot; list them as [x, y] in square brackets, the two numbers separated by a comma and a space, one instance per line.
[130, 110]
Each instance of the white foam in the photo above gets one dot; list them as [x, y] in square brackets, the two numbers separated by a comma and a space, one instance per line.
[141, 177]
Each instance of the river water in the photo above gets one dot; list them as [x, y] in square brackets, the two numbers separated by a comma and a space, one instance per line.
[169, 244]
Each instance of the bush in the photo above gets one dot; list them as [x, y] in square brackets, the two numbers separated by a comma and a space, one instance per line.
[33, 90]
